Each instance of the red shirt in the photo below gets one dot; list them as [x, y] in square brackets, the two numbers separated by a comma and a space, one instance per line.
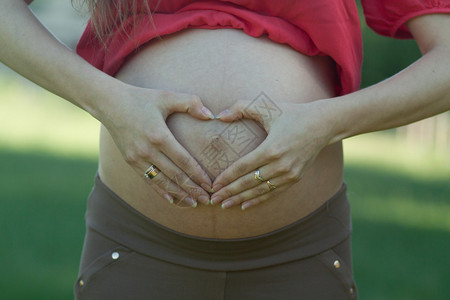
[315, 27]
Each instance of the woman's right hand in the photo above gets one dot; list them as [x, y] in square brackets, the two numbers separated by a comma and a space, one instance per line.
[135, 117]
[137, 124]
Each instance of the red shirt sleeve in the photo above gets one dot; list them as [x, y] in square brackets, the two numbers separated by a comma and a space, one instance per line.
[388, 17]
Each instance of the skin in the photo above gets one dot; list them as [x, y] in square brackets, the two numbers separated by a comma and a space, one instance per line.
[420, 91]
[291, 153]
[37, 55]
[221, 66]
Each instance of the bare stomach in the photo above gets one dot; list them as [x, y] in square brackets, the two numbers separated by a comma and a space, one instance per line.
[222, 66]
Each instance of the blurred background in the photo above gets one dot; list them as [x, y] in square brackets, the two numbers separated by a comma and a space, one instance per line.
[399, 185]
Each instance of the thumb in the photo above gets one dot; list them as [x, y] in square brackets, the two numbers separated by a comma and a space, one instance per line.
[242, 109]
[185, 103]
[246, 109]
[236, 112]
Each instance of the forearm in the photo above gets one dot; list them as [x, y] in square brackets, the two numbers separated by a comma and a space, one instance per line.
[420, 91]
[29, 49]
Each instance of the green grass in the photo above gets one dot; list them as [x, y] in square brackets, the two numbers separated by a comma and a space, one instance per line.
[31, 118]
[401, 234]
[400, 202]
[41, 223]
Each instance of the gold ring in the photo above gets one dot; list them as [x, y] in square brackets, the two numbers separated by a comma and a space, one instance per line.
[258, 176]
[151, 172]
[271, 185]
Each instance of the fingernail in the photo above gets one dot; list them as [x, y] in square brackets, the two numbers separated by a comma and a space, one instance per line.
[216, 187]
[206, 187]
[206, 112]
[191, 202]
[168, 198]
[244, 206]
[216, 200]
[223, 113]
[204, 199]
[227, 204]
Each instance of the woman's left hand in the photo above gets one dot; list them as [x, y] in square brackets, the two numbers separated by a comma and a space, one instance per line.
[294, 139]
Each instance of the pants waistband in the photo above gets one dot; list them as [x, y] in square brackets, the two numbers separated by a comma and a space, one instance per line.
[112, 217]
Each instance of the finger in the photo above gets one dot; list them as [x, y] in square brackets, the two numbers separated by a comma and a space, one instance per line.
[236, 112]
[184, 160]
[172, 102]
[177, 195]
[244, 165]
[257, 192]
[245, 109]
[275, 186]
[182, 180]
[163, 193]
[265, 197]
[244, 183]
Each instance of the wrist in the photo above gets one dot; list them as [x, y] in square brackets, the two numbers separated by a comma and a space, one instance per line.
[331, 121]
[101, 97]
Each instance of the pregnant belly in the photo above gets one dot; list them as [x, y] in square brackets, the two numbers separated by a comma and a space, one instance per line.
[222, 66]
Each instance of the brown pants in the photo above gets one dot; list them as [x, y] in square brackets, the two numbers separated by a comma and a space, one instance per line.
[128, 256]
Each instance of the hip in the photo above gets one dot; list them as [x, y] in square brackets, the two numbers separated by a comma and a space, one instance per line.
[126, 251]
